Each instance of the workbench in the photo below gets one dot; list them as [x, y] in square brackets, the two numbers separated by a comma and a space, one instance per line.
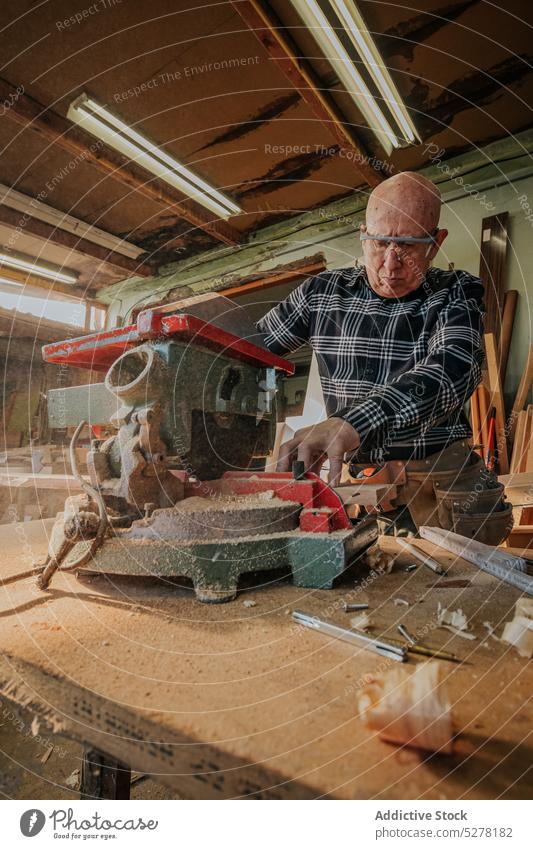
[223, 701]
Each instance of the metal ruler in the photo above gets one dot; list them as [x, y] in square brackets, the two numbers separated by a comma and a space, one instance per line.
[506, 567]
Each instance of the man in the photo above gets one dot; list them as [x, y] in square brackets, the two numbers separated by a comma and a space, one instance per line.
[399, 348]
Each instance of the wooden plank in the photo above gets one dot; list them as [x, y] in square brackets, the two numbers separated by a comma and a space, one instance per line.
[491, 270]
[496, 400]
[518, 488]
[521, 537]
[29, 113]
[517, 445]
[529, 454]
[526, 439]
[475, 422]
[286, 56]
[483, 401]
[522, 391]
[509, 311]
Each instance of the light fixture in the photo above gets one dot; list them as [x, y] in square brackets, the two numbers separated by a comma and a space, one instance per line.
[31, 266]
[104, 125]
[354, 26]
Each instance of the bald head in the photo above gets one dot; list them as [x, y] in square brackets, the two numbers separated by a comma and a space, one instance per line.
[404, 205]
[407, 199]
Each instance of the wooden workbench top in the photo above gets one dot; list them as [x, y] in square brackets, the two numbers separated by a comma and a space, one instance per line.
[228, 700]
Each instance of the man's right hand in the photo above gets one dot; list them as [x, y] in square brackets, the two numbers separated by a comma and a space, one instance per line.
[330, 439]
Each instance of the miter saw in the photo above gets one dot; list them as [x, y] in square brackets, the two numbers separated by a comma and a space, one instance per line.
[177, 490]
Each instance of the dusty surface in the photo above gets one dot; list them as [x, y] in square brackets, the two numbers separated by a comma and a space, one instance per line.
[228, 700]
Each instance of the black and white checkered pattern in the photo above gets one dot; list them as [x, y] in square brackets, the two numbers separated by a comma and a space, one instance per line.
[399, 370]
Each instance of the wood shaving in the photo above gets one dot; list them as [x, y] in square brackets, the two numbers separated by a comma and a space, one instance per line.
[47, 754]
[73, 779]
[524, 607]
[466, 635]
[379, 560]
[455, 618]
[490, 630]
[519, 633]
[361, 622]
[410, 708]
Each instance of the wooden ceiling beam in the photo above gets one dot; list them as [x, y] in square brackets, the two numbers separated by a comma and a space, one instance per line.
[283, 52]
[54, 235]
[28, 113]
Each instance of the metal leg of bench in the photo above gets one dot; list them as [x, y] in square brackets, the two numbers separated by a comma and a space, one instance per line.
[103, 777]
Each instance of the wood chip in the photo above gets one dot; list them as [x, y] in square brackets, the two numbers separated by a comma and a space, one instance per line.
[519, 633]
[410, 708]
[74, 779]
[361, 622]
[466, 635]
[455, 618]
[47, 754]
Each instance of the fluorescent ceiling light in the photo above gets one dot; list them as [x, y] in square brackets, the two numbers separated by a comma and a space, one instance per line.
[101, 123]
[326, 37]
[29, 265]
[355, 26]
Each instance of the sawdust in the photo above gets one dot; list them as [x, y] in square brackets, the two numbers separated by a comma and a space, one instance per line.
[223, 503]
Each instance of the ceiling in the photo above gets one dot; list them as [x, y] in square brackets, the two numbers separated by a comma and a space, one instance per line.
[212, 95]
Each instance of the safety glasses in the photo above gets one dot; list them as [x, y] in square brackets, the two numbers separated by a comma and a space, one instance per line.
[402, 245]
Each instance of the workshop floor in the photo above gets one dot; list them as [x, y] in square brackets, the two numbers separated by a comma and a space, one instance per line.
[29, 770]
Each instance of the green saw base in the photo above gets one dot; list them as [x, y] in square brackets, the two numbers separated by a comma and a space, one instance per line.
[214, 568]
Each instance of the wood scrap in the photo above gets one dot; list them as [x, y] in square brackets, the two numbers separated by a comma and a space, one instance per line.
[378, 559]
[493, 253]
[516, 457]
[483, 401]
[496, 401]
[361, 622]
[509, 311]
[466, 635]
[475, 423]
[519, 631]
[47, 754]
[410, 708]
[455, 618]
[522, 392]
[73, 780]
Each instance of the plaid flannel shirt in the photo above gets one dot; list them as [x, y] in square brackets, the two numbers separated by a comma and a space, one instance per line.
[398, 370]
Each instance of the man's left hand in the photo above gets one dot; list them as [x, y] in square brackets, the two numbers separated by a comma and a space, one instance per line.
[330, 439]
